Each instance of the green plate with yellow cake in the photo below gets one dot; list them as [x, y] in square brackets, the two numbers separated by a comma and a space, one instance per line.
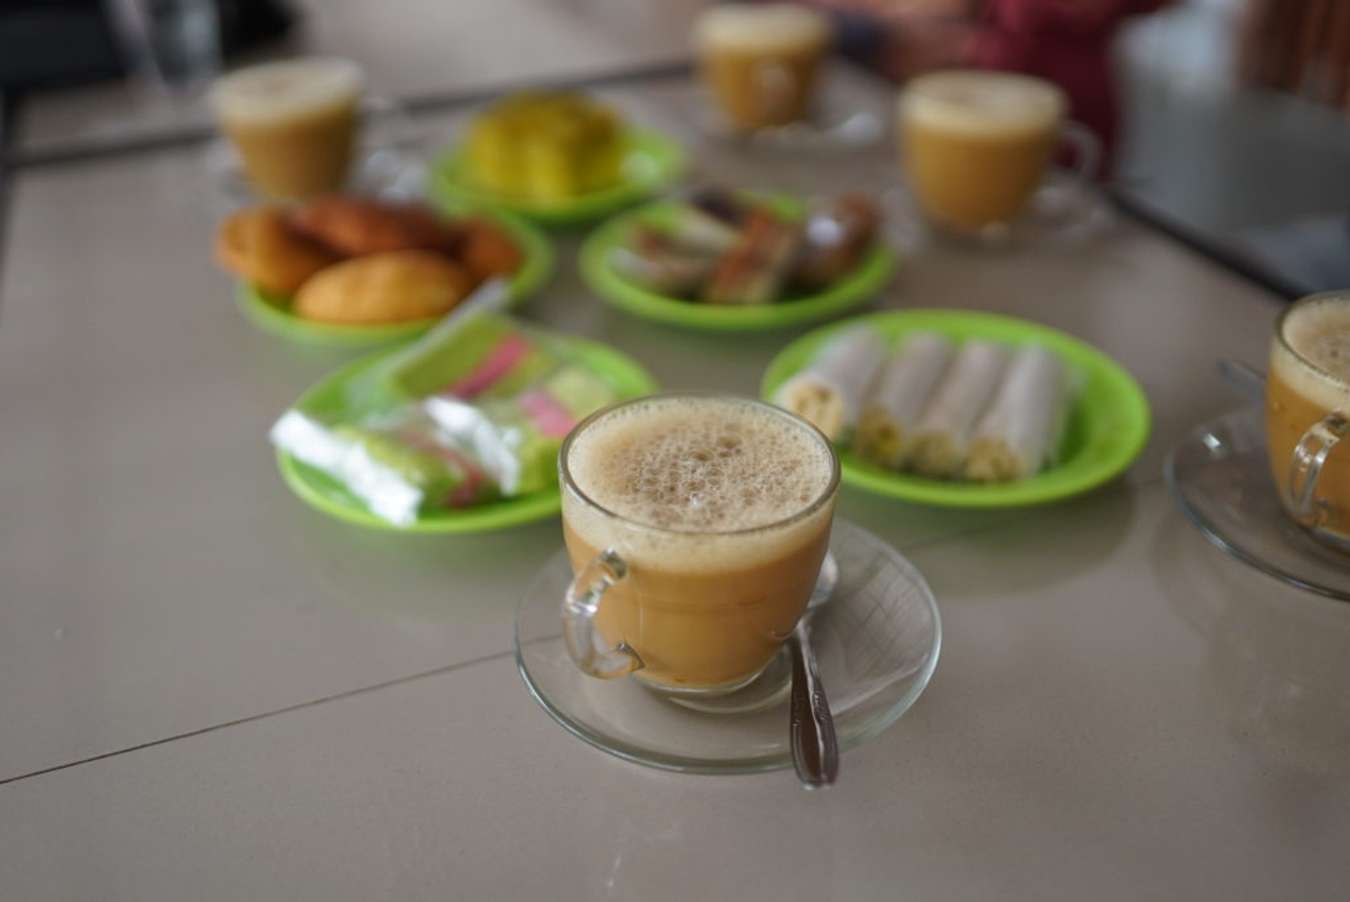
[1052, 417]
[736, 261]
[650, 163]
[273, 313]
[360, 446]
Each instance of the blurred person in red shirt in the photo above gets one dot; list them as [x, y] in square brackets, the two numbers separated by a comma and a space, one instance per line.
[1065, 41]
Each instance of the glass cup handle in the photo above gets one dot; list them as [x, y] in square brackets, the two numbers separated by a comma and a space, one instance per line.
[579, 607]
[1087, 151]
[1309, 455]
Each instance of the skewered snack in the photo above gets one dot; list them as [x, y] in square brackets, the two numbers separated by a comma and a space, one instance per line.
[829, 393]
[942, 438]
[721, 248]
[259, 246]
[1018, 433]
[384, 288]
[886, 432]
[354, 227]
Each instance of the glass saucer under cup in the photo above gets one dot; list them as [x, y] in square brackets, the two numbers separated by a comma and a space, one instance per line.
[1220, 476]
[876, 641]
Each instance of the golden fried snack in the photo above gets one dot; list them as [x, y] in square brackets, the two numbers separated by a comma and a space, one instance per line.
[384, 288]
[355, 227]
[487, 251]
[258, 246]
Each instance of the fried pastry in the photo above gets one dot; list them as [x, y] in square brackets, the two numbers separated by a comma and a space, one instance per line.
[487, 251]
[384, 288]
[355, 227]
[258, 246]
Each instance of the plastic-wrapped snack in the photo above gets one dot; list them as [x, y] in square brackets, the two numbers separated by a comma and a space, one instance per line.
[942, 439]
[901, 391]
[400, 464]
[837, 235]
[829, 393]
[516, 439]
[1020, 431]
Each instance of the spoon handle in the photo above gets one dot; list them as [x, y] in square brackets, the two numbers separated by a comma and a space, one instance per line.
[815, 749]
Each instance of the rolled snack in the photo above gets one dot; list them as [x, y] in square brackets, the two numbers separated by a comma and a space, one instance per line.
[694, 229]
[902, 389]
[1020, 431]
[942, 440]
[830, 392]
[657, 264]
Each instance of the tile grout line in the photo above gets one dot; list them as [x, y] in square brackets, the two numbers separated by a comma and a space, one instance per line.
[311, 703]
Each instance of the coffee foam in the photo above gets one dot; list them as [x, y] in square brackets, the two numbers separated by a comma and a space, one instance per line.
[764, 27]
[1319, 333]
[274, 92]
[992, 103]
[694, 466]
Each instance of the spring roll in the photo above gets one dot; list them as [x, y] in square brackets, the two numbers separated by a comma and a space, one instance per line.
[903, 386]
[942, 439]
[830, 392]
[1020, 431]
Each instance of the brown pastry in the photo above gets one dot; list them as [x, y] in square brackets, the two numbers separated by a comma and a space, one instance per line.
[384, 288]
[487, 251]
[258, 246]
[355, 227]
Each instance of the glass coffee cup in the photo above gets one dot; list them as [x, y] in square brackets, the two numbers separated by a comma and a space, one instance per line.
[1308, 413]
[761, 62]
[696, 526]
[976, 146]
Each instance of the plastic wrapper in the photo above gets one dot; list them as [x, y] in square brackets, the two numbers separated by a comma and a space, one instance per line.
[476, 410]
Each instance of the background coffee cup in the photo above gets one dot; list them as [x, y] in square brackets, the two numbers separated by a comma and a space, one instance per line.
[761, 62]
[976, 145]
[1308, 413]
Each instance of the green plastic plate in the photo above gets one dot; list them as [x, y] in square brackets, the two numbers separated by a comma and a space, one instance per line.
[272, 314]
[328, 396]
[868, 278]
[653, 163]
[1107, 427]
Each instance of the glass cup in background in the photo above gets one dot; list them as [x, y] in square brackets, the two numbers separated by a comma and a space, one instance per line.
[761, 62]
[689, 613]
[976, 145]
[294, 123]
[1308, 413]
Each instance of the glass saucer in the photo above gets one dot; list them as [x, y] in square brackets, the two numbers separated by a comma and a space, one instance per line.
[1220, 477]
[876, 642]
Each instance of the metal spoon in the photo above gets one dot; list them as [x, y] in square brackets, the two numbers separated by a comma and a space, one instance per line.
[815, 748]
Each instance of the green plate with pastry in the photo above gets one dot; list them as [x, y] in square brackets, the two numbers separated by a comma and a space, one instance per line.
[274, 312]
[960, 408]
[501, 395]
[734, 261]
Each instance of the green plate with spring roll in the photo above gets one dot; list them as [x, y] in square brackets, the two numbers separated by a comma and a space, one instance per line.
[271, 313]
[866, 280]
[1107, 423]
[652, 163]
[329, 396]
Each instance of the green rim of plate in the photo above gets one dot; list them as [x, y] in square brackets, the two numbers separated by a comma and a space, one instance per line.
[867, 280]
[326, 494]
[654, 162]
[269, 312]
[1108, 424]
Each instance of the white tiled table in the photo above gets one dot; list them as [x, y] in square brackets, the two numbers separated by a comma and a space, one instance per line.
[209, 691]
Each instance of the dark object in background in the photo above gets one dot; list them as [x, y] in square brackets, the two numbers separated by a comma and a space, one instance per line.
[61, 43]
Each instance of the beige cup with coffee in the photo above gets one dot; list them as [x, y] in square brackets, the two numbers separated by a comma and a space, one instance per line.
[762, 61]
[294, 123]
[1308, 413]
[976, 145]
[696, 526]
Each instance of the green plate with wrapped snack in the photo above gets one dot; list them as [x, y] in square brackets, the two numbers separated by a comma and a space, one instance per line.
[1106, 424]
[347, 391]
[864, 281]
[652, 162]
[272, 314]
